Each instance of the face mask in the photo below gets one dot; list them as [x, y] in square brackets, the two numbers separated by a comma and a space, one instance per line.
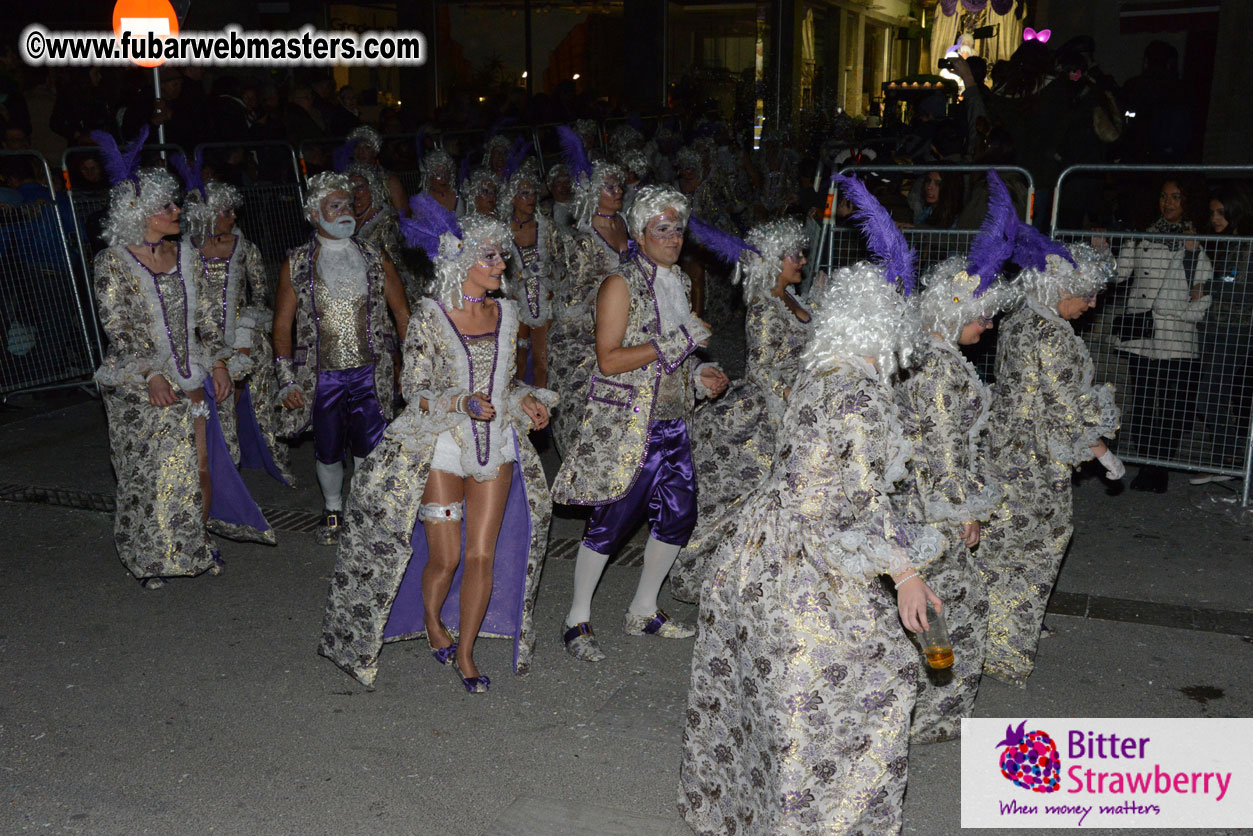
[340, 228]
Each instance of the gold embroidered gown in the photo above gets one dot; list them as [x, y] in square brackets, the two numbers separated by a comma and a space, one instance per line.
[802, 676]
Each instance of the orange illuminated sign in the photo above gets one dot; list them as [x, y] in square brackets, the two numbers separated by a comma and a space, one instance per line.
[143, 18]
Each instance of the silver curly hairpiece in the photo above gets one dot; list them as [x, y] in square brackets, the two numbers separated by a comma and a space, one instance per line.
[202, 213]
[435, 161]
[861, 315]
[368, 136]
[373, 176]
[321, 185]
[479, 182]
[651, 202]
[457, 256]
[528, 172]
[949, 302]
[132, 203]
[1090, 273]
[587, 190]
[774, 240]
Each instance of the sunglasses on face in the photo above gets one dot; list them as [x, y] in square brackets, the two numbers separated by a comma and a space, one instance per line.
[663, 230]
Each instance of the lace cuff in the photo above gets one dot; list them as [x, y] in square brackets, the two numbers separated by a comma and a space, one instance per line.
[513, 403]
[239, 365]
[1104, 424]
[978, 504]
[114, 373]
[284, 372]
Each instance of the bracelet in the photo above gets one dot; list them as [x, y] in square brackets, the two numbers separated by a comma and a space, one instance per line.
[908, 577]
[459, 405]
[150, 375]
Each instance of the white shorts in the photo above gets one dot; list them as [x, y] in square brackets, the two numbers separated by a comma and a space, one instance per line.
[447, 455]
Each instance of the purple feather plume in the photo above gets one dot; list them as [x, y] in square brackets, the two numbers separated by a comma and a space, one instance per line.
[430, 221]
[498, 126]
[517, 155]
[341, 157]
[573, 153]
[193, 175]
[724, 245]
[1032, 247]
[119, 165]
[994, 243]
[884, 239]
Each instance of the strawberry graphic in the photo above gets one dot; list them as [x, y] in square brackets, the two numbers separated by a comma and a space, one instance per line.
[1030, 759]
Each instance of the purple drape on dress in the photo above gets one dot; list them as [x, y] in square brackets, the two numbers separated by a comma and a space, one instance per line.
[513, 552]
[231, 502]
[254, 454]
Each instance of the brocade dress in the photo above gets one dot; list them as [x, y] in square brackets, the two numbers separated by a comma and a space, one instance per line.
[733, 437]
[572, 335]
[237, 296]
[1046, 414]
[944, 410]
[376, 590]
[803, 678]
[153, 322]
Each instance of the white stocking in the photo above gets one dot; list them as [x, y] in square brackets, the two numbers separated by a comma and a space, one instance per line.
[588, 567]
[331, 478]
[658, 558]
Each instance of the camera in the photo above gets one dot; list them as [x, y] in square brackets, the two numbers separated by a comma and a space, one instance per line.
[946, 64]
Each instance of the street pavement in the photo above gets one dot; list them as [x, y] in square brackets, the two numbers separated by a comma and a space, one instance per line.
[203, 708]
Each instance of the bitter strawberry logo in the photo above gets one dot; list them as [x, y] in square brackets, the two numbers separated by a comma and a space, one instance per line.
[1030, 759]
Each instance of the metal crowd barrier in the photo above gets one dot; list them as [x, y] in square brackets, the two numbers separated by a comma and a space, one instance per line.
[273, 214]
[1183, 372]
[45, 340]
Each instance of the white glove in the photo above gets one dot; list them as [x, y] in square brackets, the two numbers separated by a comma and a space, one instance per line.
[1114, 468]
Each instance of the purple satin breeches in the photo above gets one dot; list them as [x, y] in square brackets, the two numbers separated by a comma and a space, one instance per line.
[346, 413]
[665, 492]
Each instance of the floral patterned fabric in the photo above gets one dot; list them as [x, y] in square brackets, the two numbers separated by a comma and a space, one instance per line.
[1046, 414]
[377, 544]
[158, 526]
[733, 437]
[802, 676]
[572, 335]
[383, 232]
[944, 410]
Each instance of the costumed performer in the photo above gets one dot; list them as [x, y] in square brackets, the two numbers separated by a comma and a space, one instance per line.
[163, 376]
[341, 295]
[632, 459]
[455, 466]
[802, 677]
[1048, 417]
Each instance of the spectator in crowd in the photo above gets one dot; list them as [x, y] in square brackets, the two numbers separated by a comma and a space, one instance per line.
[85, 102]
[1169, 297]
[1227, 334]
[1161, 129]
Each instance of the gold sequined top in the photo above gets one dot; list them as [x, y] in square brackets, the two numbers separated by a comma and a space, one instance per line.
[342, 334]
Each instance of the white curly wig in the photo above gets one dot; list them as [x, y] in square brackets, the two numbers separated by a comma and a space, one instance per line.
[368, 136]
[528, 172]
[132, 205]
[201, 212]
[373, 176]
[479, 182]
[773, 240]
[321, 185]
[651, 202]
[1090, 273]
[636, 162]
[457, 256]
[861, 315]
[587, 191]
[435, 161]
[949, 303]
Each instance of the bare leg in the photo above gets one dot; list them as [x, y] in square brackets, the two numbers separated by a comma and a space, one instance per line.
[485, 508]
[539, 350]
[443, 545]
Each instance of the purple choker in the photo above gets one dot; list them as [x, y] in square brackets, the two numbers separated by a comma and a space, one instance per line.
[610, 216]
[152, 245]
[470, 298]
[521, 222]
